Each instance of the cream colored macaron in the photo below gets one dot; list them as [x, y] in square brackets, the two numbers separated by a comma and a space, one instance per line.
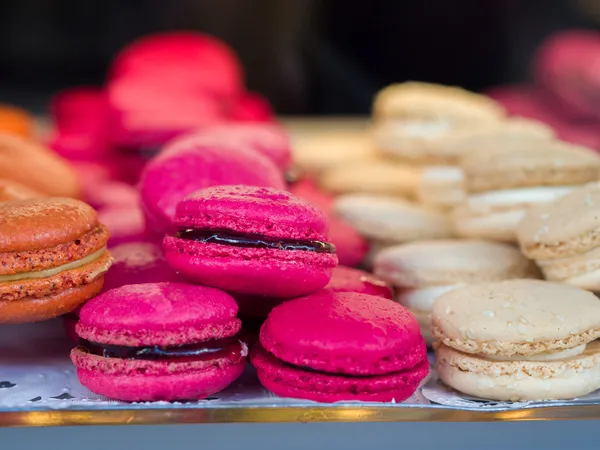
[318, 151]
[390, 219]
[425, 270]
[377, 176]
[412, 119]
[564, 238]
[503, 183]
[441, 187]
[518, 340]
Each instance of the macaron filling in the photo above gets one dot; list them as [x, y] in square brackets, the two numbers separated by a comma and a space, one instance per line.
[230, 348]
[545, 356]
[232, 238]
[55, 270]
[521, 196]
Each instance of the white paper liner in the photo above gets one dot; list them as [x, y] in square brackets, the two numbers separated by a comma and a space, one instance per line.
[37, 374]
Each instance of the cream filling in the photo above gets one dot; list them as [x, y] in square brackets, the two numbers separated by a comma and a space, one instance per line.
[427, 129]
[545, 356]
[55, 270]
[513, 197]
[423, 299]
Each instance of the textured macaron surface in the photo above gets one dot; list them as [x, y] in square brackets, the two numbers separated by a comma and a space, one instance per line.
[442, 262]
[516, 317]
[189, 163]
[289, 381]
[252, 210]
[565, 227]
[344, 333]
[163, 314]
[347, 279]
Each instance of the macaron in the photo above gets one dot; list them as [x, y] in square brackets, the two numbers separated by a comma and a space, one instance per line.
[341, 346]
[423, 271]
[413, 119]
[347, 279]
[518, 340]
[441, 187]
[198, 165]
[30, 164]
[376, 176]
[54, 257]
[125, 224]
[504, 182]
[315, 152]
[251, 240]
[392, 219]
[562, 238]
[10, 191]
[251, 107]
[159, 341]
[138, 263]
[14, 120]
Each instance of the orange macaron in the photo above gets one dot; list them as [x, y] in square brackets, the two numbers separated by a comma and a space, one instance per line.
[52, 258]
[15, 120]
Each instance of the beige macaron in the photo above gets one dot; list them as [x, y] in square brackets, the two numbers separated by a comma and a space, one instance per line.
[412, 119]
[391, 220]
[564, 237]
[322, 150]
[441, 187]
[503, 183]
[377, 176]
[518, 340]
[423, 271]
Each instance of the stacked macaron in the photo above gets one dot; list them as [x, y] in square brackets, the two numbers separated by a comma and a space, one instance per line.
[504, 182]
[518, 340]
[562, 238]
[423, 271]
[357, 347]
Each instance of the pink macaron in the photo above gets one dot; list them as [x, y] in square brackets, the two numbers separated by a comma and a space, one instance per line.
[125, 223]
[347, 279]
[138, 263]
[251, 107]
[190, 163]
[159, 341]
[251, 240]
[341, 346]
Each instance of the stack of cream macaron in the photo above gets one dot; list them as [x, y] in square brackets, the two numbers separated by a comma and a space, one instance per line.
[422, 271]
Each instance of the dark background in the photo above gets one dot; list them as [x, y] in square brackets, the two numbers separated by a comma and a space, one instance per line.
[306, 56]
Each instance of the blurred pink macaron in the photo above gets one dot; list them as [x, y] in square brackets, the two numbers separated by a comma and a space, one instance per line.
[159, 341]
[347, 279]
[251, 107]
[190, 163]
[251, 240]
[124, 223]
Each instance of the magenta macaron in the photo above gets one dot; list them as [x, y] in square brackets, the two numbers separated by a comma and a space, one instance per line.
[250, 240]
[190, 163]
[341, 346]
[159, 341]
[347, 279]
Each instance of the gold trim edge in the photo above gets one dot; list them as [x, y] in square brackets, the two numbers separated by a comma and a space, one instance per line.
[286, 415]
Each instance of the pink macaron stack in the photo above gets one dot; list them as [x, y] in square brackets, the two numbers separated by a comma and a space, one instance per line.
[159, 341]
[567, 84]
[341, 346]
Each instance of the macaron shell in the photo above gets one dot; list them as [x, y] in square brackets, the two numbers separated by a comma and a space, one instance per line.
[516, 317]
[344, 332]
[288, 381]
[252, 210]
[347, 279]
[350, 247]
[164, 314]
[520, 380]
[255, 271]
[44, 308]
[137, 380]
[11, 191]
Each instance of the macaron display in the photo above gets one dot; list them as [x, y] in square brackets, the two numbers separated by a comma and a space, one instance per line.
[54, 257]
[347, 279]
[159, 341]
[518, 340]
[199, 164]
[504, 182]
[251, 240]
[562, 238]
[359, 347]
[423, 271]
[392, 220]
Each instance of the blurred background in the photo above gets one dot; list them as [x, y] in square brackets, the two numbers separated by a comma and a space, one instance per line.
[305, 56]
